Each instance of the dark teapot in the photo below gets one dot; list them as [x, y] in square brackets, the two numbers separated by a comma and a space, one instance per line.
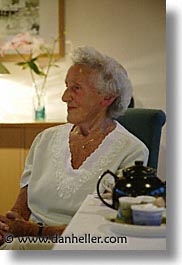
[136, 180]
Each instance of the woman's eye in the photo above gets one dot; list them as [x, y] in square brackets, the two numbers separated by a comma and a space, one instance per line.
[76, 87]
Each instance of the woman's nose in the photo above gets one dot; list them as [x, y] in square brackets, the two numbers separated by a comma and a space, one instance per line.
[66, 95]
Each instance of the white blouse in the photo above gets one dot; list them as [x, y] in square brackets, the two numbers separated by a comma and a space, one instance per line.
[55, 189]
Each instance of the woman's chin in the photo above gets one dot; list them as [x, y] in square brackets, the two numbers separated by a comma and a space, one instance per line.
[71, 119]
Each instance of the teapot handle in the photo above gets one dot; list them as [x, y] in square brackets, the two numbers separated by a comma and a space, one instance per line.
[98, 185]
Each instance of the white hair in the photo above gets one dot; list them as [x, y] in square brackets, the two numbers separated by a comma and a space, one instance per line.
[111, 79]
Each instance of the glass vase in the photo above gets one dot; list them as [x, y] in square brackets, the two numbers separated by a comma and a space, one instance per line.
[39, 107]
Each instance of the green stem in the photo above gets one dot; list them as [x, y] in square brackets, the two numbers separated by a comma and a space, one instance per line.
[38, 95]
[31, 73]
[34, 82]
[49, 65]
[21, 55]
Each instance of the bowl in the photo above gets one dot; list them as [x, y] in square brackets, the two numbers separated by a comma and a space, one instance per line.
[147, 214]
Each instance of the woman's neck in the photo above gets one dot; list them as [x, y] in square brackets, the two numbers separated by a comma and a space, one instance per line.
[94, 127]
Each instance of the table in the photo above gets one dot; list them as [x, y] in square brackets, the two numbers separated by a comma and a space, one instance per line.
[88, 227]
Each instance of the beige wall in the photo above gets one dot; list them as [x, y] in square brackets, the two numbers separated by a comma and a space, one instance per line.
[132, 31]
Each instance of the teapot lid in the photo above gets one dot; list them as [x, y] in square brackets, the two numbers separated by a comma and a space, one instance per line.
[138, 170]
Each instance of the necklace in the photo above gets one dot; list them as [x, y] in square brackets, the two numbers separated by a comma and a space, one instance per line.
[94, 138]
[88, 141]
[81, 147]
[84, 145]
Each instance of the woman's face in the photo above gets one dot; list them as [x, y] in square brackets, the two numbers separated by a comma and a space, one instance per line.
[84, 103]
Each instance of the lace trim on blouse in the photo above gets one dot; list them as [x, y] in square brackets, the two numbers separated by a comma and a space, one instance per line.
[70, 180]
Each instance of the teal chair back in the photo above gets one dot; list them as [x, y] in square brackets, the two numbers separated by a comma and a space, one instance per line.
[146, 124]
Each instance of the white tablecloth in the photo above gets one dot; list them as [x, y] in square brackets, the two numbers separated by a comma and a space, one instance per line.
[89, 227]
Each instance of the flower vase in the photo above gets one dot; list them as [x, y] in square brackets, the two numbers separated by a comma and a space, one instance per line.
[39, 107]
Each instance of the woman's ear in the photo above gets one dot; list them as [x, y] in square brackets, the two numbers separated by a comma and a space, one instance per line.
[108, 100]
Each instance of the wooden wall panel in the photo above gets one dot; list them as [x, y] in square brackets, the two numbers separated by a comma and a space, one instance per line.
[11, 152]
[15, 141]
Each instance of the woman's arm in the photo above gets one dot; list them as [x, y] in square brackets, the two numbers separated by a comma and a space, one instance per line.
[21, 206]
[19, 211]
[19, 228]
[30, 229]
[16, 221]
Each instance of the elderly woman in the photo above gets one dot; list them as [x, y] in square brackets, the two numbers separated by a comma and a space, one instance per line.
[65, 161]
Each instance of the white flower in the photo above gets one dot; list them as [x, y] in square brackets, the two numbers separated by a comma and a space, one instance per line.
[34, 46]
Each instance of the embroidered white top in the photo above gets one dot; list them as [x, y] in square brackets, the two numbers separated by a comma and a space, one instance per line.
[55, 189]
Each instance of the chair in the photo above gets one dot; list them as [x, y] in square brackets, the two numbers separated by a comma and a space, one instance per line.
[146, 124]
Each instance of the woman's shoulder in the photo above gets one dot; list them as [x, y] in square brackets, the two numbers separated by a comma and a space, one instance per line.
[122, 134]
[51, 132]
[56, 129]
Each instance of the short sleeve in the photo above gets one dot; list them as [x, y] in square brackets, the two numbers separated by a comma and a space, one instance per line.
[140, 152]
[25, 178]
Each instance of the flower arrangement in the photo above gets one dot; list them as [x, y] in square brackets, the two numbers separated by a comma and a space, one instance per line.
[30, 49]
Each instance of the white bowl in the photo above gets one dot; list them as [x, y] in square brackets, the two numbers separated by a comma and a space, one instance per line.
[147, 214]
